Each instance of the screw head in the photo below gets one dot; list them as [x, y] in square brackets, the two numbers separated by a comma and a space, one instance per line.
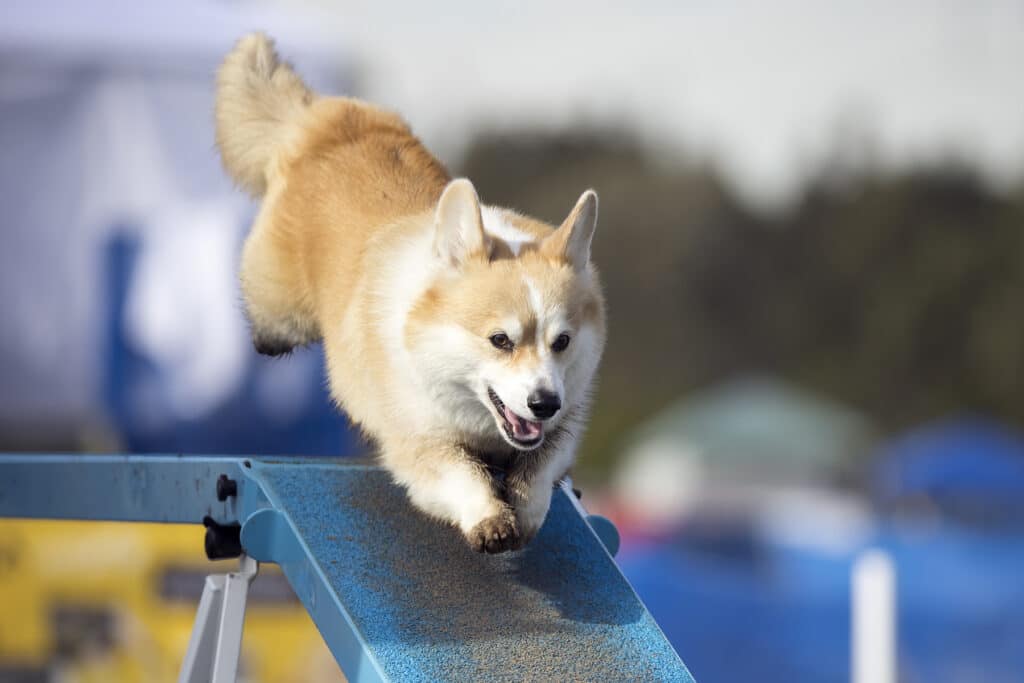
[226, 488]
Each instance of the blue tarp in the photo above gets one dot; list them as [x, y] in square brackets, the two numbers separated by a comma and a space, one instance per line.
[785, 616]
[775, 612]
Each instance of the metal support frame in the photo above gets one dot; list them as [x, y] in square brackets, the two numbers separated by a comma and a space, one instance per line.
[216, 642]
[360, 559]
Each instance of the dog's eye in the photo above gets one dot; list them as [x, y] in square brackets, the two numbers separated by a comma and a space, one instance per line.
[501, 341]
[561, 343]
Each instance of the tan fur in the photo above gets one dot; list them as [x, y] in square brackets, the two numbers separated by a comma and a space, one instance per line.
[496, 290]
[260, 102]
[347, 188]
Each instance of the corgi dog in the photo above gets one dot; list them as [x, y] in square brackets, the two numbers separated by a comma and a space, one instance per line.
[462, 338]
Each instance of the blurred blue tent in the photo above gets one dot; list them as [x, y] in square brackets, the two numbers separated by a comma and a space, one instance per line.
[969, 470]
[122, 324]
[280, 407]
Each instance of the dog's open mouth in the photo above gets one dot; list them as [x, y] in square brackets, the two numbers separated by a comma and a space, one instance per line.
[521, 432]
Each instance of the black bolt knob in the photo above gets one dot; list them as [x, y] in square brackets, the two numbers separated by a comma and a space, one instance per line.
[226, 488]
[222, 541]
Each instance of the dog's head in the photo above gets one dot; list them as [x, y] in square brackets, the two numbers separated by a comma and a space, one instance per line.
[510, 333]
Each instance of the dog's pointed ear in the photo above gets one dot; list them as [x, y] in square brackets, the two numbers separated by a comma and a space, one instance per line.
[571, 242]
[460, 229]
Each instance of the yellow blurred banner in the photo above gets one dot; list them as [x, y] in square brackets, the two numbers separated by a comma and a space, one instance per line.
[86, 602]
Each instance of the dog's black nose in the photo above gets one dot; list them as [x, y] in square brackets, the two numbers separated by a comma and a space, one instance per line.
[543, 403]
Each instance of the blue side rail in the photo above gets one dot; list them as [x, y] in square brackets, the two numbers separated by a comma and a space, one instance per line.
[396, 596]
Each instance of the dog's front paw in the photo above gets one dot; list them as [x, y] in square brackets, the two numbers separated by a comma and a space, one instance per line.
[495, 534]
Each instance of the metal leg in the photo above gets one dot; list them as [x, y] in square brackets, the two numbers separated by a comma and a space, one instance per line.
[212, 655]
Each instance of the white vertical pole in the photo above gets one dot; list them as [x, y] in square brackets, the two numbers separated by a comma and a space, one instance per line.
[873, 631]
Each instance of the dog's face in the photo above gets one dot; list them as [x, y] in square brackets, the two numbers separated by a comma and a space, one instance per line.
[508, 342]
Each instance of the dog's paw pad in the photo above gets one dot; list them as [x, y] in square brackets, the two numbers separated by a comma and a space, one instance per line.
[494, 535]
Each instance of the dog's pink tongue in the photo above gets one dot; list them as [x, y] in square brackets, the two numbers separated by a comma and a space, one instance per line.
[522, 429]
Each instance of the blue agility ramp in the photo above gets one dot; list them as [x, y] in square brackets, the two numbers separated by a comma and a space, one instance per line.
[396, 596]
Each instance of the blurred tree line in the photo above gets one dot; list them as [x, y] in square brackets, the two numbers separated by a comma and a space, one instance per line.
[900, 294]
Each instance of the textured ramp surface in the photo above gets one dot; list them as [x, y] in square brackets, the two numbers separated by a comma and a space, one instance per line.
[430, 609]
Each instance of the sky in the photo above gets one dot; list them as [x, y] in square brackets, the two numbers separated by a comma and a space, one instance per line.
[762, 90]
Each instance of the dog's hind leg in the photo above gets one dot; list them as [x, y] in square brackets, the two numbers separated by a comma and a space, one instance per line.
[277, 342]
[277, 302]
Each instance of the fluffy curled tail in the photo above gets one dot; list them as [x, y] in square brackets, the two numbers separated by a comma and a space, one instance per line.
[260, 101]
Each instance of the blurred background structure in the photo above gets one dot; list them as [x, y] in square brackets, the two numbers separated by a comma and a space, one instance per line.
[812, 242]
